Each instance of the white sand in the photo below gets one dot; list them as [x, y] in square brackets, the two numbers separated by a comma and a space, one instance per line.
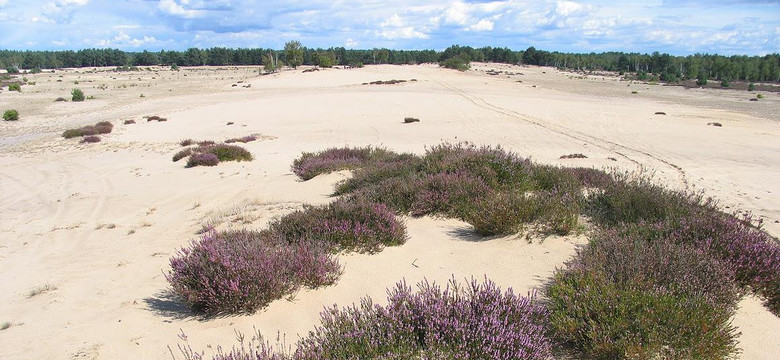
[99, 222]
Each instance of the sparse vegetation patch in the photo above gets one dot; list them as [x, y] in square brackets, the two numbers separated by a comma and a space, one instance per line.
[103, 127]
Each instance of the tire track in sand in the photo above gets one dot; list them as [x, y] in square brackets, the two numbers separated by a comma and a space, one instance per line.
[566, 132]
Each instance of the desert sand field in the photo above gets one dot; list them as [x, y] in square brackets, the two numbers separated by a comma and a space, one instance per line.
[87, 230]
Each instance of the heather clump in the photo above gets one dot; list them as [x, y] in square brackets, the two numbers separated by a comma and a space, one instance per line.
[309, 165]
[355, 225]
[242, 271]
[447, 194]
[402, 165]
[103, 127]
[603, 319]
[495, 166]
[630, 201]
[202, 159]
[472, 321]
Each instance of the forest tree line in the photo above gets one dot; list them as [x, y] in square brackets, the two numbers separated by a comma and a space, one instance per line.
[664, 66]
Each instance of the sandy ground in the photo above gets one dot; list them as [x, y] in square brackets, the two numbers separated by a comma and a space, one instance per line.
[86, 231]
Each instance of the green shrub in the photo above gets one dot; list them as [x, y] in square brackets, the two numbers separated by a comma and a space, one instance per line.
[35, 70]
[605, 320]
[12, 70]
[457, 63]
[759, 96]
[702, 81]
[229, 152]
[751, 87]
[725, 83]
[15, 87]
[11, 115]
[77, 95]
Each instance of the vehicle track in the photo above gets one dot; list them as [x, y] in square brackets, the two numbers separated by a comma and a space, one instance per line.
[602, 143]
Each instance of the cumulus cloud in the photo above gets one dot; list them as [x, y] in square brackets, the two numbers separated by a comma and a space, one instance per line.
[402, 33]
[174, 8]
[482, 25]
[350, 43]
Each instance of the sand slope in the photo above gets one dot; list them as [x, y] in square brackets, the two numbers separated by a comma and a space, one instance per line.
[97, 223]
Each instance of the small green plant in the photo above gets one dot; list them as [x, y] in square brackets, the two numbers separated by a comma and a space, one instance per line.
[635, 92]
[725, 83]
[751, 87]
[35, 70]
[5, 325]
[12, 70]
[759, 96]
[702, 81]
[15, 87]
[11, 115]
[410, 120]
[77, 95]
[174, 67]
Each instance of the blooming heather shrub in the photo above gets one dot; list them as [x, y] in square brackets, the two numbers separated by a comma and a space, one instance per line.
[495, 166]
[352, 225]
[546, 177]
[90, 139]
[228, 152]
[752, 254]
[310, 165]
[202, 159]
[591, 177]
[450, 194]
[242, 271]
[472, 321]
[608, 320]
[182, 154]
[186, 142]
[660, 264]
[103, 127]
[399, 193]
[402, 165]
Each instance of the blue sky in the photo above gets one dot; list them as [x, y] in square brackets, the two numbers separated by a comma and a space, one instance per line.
[678, 27]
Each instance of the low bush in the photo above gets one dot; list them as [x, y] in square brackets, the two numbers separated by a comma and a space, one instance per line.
[15, 87]
[103, 127]
[155, 118]
[186, 142]
[402, 165]
[203, 143]
[639, 200]
[471, 321]
[356, 225]
[128, 122]
[227, 152]
[309, 165]
[90, 139]
[242, 271]
[244, 139]
[77, 95]
[408, 120]
[60, 99]
[447, 194]
[606, 320]
[182, 154]
[11, 115]
[201, 159]
[573, 156]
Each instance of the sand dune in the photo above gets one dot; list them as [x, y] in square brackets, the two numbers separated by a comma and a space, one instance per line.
[92, 226]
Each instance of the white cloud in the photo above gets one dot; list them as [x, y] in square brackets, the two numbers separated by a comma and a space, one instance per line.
[171, 7]
[456, 14]
[402, 33]
[393, 21]
[3, 2]
[568, 8]
[350, 43]
[482, 25]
